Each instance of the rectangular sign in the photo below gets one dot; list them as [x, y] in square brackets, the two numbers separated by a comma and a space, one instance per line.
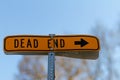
[44, 44]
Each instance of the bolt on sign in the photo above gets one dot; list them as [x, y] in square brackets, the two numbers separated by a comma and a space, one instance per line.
[75, 46]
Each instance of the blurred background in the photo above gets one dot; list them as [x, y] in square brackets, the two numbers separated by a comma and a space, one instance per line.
[100, 18]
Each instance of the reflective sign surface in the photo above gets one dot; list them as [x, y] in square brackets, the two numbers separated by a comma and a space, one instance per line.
[44, 44]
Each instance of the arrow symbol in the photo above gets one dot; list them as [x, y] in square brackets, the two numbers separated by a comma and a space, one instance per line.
[82, 42]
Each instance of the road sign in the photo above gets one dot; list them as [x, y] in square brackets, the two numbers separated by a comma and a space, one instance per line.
[63, 45]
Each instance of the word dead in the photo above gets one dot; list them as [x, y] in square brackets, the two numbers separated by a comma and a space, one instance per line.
[21, 43]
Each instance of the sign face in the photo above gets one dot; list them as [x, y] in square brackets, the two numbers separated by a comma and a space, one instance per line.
[27, 44]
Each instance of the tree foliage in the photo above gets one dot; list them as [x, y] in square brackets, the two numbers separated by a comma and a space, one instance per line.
[35, 68]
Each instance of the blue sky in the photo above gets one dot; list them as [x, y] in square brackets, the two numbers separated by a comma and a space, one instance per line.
[43, 17]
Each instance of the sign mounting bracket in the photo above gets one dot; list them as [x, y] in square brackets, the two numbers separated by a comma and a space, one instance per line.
[51, 62]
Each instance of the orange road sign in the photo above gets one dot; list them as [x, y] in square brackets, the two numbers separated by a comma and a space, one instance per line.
[31, 44]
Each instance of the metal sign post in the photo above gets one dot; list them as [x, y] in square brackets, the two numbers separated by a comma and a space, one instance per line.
[51, 66]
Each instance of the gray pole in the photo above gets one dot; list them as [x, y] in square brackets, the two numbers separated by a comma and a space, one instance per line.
[51, 66]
